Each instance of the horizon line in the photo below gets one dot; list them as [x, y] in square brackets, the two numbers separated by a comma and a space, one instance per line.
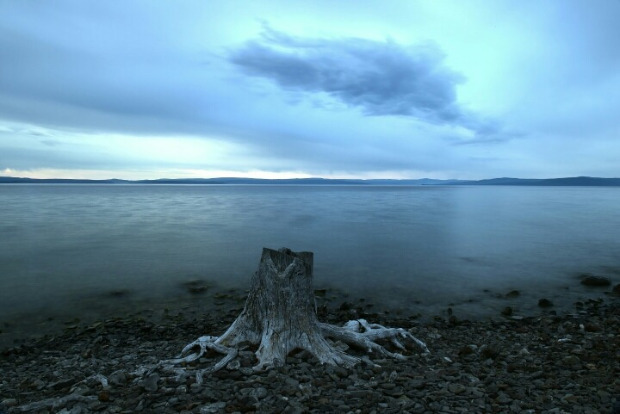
[582, 177]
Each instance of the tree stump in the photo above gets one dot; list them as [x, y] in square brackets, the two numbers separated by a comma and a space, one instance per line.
[280, 316]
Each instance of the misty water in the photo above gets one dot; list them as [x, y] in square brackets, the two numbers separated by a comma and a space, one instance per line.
[64, 248]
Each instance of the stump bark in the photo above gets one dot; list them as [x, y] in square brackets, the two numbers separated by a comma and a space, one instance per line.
[280, 316]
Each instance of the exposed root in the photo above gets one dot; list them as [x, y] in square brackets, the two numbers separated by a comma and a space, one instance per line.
[280, 316]
[374, 332]
[358, 333]
[203, 344]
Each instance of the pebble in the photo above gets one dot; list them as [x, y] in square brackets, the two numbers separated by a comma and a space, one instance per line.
[150, 383]
[118, 377]
[456, 388]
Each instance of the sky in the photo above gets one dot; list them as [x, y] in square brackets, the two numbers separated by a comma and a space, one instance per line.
[444, 89]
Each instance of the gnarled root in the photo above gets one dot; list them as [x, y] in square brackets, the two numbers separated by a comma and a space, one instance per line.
[358, 333]
[280, 316]
[364, 335]
[200, 346]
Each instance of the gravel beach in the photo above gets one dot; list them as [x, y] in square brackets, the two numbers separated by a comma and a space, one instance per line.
[564, 363]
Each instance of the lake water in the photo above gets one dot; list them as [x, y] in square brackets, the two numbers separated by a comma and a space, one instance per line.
[63, 248]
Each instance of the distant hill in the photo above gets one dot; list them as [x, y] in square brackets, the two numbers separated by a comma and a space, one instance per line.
[21, 180]
[568, 181]
[230, 180]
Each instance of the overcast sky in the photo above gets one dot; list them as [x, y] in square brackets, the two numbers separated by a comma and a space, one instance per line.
[366, 89]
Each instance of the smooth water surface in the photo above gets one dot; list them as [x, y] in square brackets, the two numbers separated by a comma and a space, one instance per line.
[415, 247]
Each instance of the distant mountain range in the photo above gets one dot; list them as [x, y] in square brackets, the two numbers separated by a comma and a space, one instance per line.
[568, 181]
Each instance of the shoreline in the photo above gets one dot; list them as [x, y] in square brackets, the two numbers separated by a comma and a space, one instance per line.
[569, 362]
[203, 296]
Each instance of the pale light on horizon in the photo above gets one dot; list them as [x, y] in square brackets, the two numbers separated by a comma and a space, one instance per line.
[190, 174]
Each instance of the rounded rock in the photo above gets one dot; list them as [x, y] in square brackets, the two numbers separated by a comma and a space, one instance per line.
[596, 281]
[545, 303]
[150, 383]
[9, 402]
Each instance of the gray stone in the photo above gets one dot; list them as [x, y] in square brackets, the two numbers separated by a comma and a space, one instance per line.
[456, 388]
[150, 383]
[118, 377]
[291, 382]
[259, 393]
[571, 360]
[503, 398]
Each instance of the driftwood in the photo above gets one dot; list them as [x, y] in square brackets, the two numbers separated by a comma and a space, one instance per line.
[280, 316]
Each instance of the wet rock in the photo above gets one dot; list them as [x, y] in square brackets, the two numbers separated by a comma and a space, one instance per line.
[616, 289]
[545, 303]
[345, 306]
[507, 311]
[596, 281]
[513, 294]
[196, 287]
[119, 293]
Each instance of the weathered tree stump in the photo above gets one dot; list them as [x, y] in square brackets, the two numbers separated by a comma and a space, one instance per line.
[280, 316]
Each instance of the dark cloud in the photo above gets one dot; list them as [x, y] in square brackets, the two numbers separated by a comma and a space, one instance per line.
[381, 78]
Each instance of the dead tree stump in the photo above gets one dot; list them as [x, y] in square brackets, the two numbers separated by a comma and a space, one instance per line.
[280, 316]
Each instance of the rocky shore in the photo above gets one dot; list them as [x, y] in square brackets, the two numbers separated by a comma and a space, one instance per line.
[567, 363]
